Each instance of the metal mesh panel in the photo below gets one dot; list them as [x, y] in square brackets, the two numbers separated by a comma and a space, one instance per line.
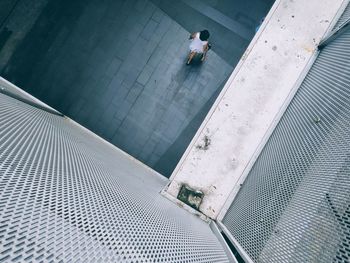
[11, 90]
[295, 203]
[66, 196]
[345, 16]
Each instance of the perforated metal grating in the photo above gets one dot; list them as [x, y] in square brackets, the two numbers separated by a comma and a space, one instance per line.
[11, 90]
[344, 17]
[66, 196]
[295, 203]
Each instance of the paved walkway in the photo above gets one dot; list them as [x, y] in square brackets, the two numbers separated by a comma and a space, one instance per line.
[118, 68]
[232, 22]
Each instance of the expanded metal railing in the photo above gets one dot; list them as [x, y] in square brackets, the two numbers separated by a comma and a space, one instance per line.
[68, 196]
[294, 205]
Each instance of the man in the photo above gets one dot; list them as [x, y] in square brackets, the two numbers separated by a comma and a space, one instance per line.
[199, 45]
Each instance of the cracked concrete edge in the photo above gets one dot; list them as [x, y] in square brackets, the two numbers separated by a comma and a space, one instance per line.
[185, 206]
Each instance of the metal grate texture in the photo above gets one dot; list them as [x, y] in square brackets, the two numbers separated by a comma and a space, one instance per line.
[68, 196]
[344, 17]
[294, 205]
[11, 90]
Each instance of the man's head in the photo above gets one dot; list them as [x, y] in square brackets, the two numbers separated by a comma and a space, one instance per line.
[204, 35]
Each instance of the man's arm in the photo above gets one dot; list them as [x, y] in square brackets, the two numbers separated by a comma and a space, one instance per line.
[193, 35]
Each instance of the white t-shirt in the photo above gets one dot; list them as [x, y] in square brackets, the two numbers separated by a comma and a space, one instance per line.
[197, 45]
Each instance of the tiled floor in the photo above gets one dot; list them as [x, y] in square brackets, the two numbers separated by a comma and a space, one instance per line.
[232, 23]
[118, 68]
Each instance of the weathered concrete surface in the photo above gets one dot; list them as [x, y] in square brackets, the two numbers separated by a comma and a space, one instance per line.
[252, 98]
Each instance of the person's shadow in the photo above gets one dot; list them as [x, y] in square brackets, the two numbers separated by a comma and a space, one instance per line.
[197, 61]
[189, 71]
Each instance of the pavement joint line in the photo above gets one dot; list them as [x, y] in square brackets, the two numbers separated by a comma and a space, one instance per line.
[220, 18]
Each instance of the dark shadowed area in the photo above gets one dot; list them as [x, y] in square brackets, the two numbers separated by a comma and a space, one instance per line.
[118, 67]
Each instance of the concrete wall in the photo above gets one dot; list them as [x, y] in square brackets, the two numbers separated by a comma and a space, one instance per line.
[266, 78]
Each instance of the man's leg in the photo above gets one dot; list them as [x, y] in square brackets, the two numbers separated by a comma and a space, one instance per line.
[190, 57]
[205, 50]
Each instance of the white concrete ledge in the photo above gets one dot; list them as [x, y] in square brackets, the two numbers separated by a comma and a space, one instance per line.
[255, 94]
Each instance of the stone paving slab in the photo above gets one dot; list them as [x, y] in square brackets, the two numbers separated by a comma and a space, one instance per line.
[231, 22]
[118, 68]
